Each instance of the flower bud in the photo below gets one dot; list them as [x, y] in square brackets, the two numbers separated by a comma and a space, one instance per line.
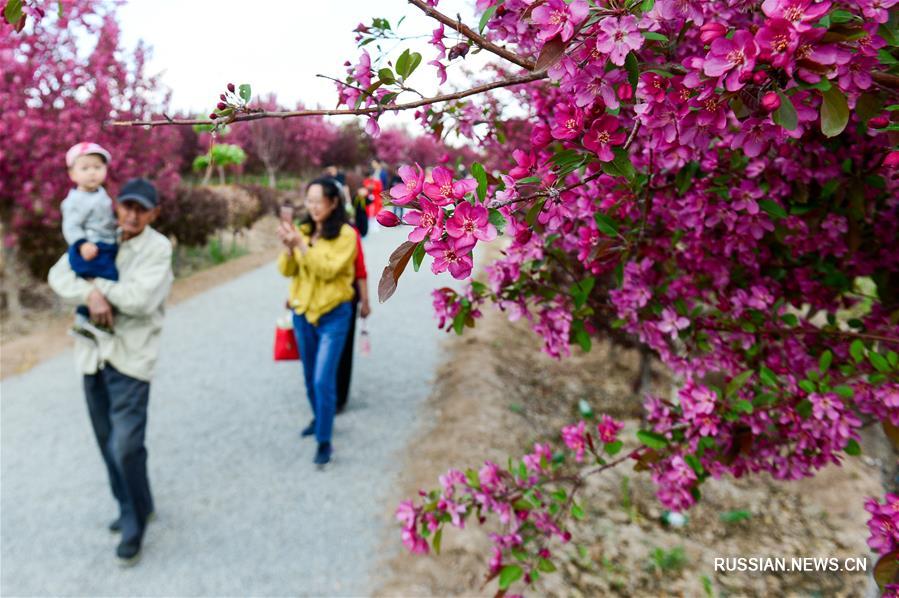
[892, 160]
[231, 87]
[387, 218]
[879, 122]
[222, 97]
[770, 101]
[625, 91]
[221, 105]
[711, 31]
[213, 116]
[759, 77]
[458, 51]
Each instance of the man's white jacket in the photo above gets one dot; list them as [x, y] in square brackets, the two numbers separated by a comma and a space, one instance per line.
[144, 263]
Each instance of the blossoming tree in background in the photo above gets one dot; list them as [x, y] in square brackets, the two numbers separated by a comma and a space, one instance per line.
[715, 181]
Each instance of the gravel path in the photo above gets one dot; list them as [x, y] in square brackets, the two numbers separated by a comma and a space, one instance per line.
[241, 509]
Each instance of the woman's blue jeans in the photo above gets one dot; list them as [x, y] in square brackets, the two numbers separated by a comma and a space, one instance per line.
[320, 349]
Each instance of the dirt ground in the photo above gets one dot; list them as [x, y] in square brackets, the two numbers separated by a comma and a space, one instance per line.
[43, 332]
[497, 394]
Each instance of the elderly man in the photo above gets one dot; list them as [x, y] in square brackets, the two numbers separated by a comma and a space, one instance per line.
[117, 368]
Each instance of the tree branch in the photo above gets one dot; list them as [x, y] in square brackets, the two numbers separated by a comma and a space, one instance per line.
[519, 80]
[478, 40]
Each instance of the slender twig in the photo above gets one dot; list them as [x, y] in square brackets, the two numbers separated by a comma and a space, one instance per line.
[477, 39]
[792, 331]
[519, 80]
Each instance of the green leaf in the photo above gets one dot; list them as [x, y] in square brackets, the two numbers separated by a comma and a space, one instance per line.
[768, 377]
[577, 512]
[825, 361]
[436, 542]
[606, 225]
[531, 216]
[834, 112]
[852, 448]
[386, 76]
[804, 408]
[519, 553]
[772, 208]
[581, 290]
[546, 566]
[735, 516]
[647, 5]
[743, 406]
[879, 362]
[613, 448]
[652, 35]
[808, 386]
[486, 17]
[414, 61]
[418, 255]
[13, 12]
[402, 64]
[737, 382]
[480, 175]
[620, 165]
[886, 58]
[652, 439]
[59, 9]
[245, 92]
[785, 115]
[585, 409]
[633, 69]
[509, 575]
[694, 462]
[857, 350]
[497, 219]
[844, 391]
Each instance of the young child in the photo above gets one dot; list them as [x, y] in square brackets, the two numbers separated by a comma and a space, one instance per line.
[89, 224]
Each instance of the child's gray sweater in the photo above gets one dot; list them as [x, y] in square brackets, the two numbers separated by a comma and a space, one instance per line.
[88, 216]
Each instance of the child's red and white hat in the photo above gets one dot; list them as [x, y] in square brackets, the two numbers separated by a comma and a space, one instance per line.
[83, 149]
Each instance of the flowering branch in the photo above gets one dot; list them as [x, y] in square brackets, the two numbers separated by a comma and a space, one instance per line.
[262, 114]
[478, 40]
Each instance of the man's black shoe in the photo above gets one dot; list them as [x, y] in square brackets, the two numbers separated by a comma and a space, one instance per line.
[323, 454]
[128, 551]
[308, 430]
[116, 526]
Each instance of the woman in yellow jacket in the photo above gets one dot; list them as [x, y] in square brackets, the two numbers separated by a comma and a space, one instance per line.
[319, 258]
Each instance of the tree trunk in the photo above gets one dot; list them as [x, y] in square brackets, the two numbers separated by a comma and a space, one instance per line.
[221, 170]
[13, 274]
[207, 176]
[272, 182]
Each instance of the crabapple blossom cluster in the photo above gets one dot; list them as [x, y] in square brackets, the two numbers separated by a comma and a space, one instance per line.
[715, 181]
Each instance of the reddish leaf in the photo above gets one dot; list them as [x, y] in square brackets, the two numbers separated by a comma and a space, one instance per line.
[552, 52]
[394, 269]
[886, 571]
[892, 433]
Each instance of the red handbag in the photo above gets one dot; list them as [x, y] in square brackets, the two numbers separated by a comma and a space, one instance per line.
[285, 344]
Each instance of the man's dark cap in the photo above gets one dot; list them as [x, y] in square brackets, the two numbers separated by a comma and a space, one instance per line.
[140, 190]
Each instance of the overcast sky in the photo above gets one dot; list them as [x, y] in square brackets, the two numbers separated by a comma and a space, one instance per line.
[275, 45]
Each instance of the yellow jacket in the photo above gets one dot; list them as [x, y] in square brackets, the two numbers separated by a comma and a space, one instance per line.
[323, 278]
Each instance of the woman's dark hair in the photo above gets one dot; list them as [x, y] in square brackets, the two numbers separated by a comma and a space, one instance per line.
[331, 226]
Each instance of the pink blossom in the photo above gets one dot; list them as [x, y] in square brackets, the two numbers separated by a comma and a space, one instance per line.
[428, 222]
[671, 322]
[444, 190]
[453, 255]
[732, 60]
[801, 13]
[608, 429]
[603, 135]
[573, 437]
[470, 223]
[556, 17]
[413, 180]
[617, 37]
[568, 122]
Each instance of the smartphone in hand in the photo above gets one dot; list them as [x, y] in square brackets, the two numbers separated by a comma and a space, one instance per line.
[287, 213]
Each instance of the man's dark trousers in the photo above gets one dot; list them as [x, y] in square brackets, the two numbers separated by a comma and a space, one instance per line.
[118, 409]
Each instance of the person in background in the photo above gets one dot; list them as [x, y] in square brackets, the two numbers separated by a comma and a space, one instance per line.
[319, 259]
[363, 308]
[360, 210]
[340, 178]
[117, 369]
[379, 171]
[374, 202]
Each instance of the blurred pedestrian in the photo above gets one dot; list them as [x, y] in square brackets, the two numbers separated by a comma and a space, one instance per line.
[319, 257]
[117, 368]
[362, 307]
